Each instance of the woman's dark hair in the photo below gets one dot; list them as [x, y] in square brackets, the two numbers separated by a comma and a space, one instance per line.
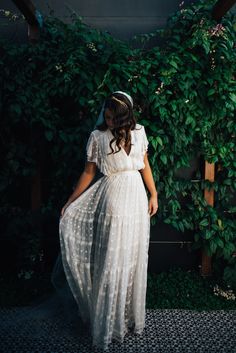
[123, 119]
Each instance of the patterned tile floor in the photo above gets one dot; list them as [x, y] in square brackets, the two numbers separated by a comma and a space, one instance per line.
[36, 329]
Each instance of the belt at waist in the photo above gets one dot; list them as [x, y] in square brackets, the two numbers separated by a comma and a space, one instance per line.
[124, 172]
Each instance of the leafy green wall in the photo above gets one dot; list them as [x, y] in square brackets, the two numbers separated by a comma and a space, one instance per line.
[184, 93]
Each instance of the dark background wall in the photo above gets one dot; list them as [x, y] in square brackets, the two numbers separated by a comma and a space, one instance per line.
[123, 18]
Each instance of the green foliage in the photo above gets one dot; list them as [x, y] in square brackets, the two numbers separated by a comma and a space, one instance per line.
[184, 93]
[24, 291]
[178, 289]
[21, 231]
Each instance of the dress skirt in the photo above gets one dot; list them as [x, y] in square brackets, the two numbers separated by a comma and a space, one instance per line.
[104, 238]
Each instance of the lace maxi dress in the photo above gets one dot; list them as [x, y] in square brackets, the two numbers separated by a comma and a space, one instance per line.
[104, 239]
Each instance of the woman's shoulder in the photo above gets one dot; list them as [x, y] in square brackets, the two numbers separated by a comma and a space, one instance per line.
[97, 132]
[138, 127]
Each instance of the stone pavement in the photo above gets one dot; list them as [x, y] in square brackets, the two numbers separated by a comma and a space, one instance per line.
[46, 328]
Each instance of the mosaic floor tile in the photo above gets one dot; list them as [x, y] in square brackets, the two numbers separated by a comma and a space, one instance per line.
[27, 330]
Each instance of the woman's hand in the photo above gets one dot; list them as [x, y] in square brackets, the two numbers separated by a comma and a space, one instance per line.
[153, 205]
[149, 181]
[64, 208]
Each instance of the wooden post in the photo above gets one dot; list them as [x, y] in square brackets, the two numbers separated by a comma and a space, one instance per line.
[36, 179]
[206, 267]
[218, 11]
[28, 9]
[221, 7]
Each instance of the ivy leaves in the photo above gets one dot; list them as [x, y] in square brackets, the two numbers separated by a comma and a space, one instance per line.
[184, 92]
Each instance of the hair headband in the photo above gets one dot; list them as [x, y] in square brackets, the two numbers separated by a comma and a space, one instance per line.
[100, 119]
[118, 100]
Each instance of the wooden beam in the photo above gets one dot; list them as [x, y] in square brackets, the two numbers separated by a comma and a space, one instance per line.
[34, 21]
[221, 8]
[206, 268]
[28, 9]
[209, 175]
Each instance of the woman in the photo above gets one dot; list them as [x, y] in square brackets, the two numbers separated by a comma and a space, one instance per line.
[104, 230]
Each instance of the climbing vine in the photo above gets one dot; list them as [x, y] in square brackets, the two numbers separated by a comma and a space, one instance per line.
[184, 92]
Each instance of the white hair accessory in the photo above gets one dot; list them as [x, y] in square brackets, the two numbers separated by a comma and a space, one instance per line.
[101, 117]
[127, 96]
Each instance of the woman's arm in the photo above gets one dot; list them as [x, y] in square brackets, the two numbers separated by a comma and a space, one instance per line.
[84, 181]
[149, 182]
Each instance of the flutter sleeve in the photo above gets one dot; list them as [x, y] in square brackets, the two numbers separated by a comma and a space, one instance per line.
[145, 141]
[92, 149]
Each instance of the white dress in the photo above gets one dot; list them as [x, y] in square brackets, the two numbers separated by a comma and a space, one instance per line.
[104, 238]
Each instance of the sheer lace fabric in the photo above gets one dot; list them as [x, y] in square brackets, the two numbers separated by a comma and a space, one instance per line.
[104, 237]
